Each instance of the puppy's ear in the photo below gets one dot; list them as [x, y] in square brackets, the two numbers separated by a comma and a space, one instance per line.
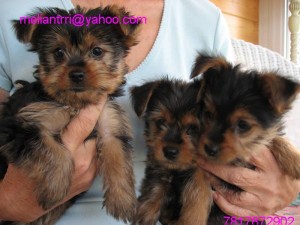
[23, 29]
[141, 96]
[130, 31]
[280, 91]
[201, 86]
[204, 63]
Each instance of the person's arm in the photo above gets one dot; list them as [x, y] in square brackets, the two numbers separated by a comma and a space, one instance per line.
[17, 200]
[266, 189]
[222, 40]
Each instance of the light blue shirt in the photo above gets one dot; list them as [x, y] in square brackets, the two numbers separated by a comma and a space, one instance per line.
[187, 26]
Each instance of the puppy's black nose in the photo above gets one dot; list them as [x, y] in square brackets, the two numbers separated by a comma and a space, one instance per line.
[171, 152]
[211, 150]
[77, 76]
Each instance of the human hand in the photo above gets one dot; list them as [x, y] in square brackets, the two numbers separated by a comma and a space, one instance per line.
[266, 189]
[17, 198]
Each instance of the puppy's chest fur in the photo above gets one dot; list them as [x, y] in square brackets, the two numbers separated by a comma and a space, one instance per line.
[32, 111]
[174, 182]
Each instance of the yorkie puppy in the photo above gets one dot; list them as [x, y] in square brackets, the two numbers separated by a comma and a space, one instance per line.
[77, 65]
[242, 113]
[174, 190]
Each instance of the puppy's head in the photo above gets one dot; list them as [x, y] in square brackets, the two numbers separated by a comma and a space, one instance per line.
[242, 110]
[172, 130]
[77, 64]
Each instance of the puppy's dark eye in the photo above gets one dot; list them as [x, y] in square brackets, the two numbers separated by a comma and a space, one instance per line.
[59, 53]
[192, 129]
[96, 52]
[160, 123]
[243, 126]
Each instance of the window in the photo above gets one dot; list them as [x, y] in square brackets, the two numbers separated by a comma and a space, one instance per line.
[294, 29]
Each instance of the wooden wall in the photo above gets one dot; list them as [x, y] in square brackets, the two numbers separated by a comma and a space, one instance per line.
[242, 17]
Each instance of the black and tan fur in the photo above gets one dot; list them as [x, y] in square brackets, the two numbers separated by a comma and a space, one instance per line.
[174, 190]
[77, 65]
[242, 113]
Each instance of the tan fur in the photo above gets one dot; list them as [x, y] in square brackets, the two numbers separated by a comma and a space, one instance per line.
[273, 87]
[287, 156]
[196, 201]
[219, 64]
[148, 211]
[162, 113]
[26, 38]
[131, 35]
[189, 118]
[51, 119]
[115, 164]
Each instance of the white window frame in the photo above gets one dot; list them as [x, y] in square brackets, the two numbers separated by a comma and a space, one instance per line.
[273, 26]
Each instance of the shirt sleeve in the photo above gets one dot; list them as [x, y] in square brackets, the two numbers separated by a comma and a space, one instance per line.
[5, 79]
[222, 39]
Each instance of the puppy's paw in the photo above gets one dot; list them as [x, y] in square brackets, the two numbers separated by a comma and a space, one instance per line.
[121, 205]
[146, 215]
[292, 168]
[293, 171]
[287, 156]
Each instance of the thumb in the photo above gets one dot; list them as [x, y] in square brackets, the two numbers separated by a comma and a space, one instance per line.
[82, 125]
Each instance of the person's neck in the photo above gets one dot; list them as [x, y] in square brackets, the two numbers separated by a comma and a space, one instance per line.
[96, 3]
[117, 2]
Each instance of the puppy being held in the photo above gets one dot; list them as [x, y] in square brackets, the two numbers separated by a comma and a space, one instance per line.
[77, 65]
[242, 112]
[174, 190]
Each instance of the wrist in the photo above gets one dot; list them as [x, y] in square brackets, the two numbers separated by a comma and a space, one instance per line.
[5, 212]
[16, 205]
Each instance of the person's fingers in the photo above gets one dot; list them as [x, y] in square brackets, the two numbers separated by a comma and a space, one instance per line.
[259, 186]
[82, 183]
[241, 177]
[84, 156]
[234, 197]
[264, 160]
[82, 125]
[231, 209]
[29, 210]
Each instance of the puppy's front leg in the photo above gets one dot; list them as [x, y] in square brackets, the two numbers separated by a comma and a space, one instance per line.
[115, 163]
[153, 197]
[287, 156]
[47, 161]
[196, 201]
